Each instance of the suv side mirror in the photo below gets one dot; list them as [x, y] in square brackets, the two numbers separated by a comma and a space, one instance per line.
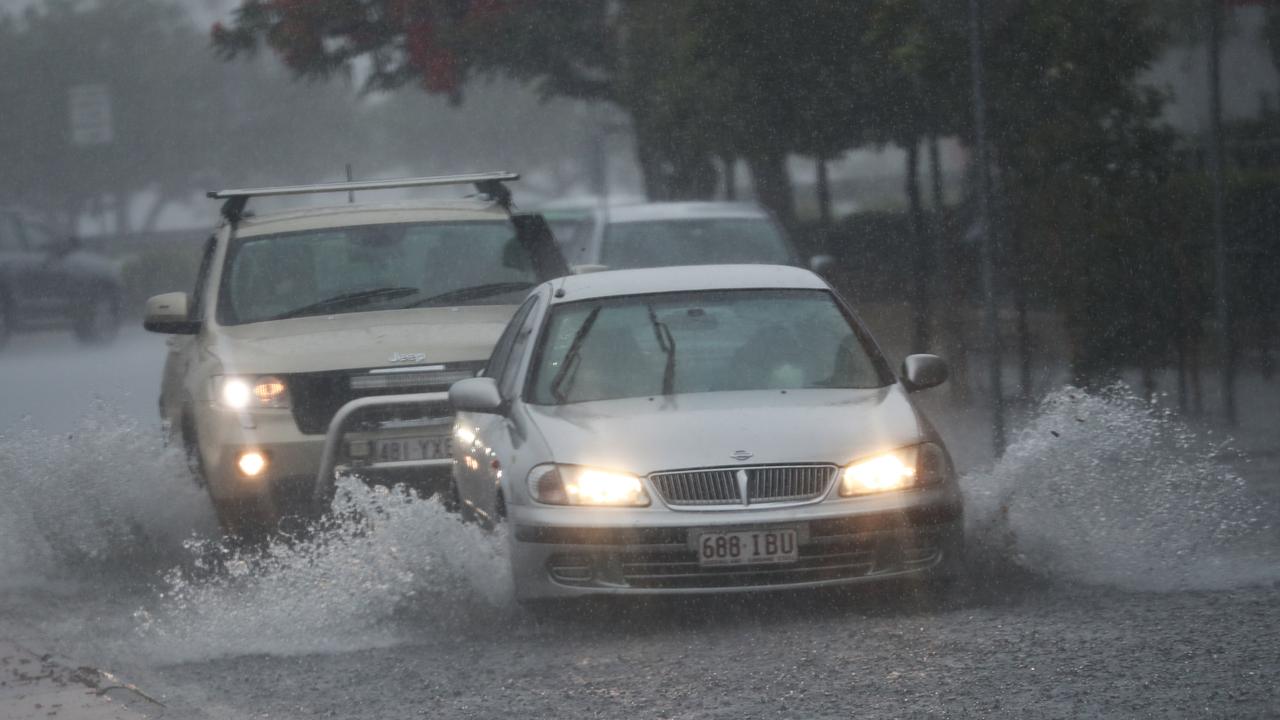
[479, 394]
[170, 313]
[921, 372]
[822, 264]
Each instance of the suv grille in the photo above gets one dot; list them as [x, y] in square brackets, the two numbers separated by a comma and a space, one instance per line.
[764, 484]
[316, 397]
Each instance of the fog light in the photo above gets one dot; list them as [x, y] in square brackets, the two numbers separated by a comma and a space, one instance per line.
[252, 463]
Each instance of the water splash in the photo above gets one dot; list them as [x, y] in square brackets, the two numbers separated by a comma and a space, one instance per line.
[107, 499]
[389, 566]
[1107, 488]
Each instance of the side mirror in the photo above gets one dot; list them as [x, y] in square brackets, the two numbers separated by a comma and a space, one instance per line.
[478, 394]
[822, 264]
[921, 372]
[170, 313]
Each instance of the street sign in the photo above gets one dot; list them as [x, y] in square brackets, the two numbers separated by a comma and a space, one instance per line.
[90, 108]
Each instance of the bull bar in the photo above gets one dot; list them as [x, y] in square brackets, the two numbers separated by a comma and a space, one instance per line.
[325, 478]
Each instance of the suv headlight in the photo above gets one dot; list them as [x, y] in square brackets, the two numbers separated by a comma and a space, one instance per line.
[579, 485]
[902, 469]
[241, 393]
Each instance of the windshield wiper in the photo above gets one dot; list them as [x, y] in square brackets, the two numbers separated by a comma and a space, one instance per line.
[571, 356]
[667, 344]
[471, 293]
[351, 299]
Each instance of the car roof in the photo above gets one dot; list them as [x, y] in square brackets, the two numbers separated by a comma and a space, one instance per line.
[690, 278]
[325, 216]
[647, 212]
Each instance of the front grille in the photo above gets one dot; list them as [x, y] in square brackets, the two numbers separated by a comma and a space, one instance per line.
[763, 484]
[316, 397]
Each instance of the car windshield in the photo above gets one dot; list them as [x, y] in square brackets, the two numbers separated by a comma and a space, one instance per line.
[658, 243]
[373, 267]
[696, 342]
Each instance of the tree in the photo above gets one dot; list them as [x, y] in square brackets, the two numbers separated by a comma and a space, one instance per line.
[698, 80]
[1082, 156]
[918, 74]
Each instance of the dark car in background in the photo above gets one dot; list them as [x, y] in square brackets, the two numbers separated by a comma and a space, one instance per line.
[47, 282]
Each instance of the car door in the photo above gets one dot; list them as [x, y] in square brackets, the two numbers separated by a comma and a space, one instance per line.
[174, 396]
[19, 272]
[49, 285]
[496, 436]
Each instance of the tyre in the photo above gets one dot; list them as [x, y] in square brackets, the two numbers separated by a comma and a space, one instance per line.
[244, 521]
[99, 320]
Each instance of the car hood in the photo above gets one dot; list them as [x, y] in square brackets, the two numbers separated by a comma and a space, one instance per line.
[704, 429]
[361, 340]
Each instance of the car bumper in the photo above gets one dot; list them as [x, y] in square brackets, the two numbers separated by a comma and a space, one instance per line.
[567, 552]
[293, 458]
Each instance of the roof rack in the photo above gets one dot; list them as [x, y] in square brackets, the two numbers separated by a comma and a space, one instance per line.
[487, 183]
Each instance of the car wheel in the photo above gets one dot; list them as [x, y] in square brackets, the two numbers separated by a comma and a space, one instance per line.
[244, 522]
[191, 450]
[99, 319]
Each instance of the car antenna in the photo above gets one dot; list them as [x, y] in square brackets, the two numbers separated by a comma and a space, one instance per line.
[351, 194]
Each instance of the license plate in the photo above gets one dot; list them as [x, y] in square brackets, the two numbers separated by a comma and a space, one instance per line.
[427, 447]
[747, 547]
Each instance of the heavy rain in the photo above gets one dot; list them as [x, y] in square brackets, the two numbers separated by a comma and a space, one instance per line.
[647, 359]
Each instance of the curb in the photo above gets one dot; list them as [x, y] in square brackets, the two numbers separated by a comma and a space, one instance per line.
[42, 687]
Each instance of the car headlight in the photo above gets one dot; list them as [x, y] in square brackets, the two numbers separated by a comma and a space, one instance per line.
[579, 485]
[902, 469]
[242, 393]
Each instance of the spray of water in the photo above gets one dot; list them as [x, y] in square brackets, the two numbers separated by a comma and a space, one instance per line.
[106, 500]
[1106, 488]
[390, 565]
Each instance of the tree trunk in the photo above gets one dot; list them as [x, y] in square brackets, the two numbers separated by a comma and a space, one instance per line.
[921, 253]
[823, 186]
[949, 284]
[729, 169]
[773, 184]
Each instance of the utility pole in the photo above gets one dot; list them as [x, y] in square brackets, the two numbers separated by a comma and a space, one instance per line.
[1222, 307]
[990, 320]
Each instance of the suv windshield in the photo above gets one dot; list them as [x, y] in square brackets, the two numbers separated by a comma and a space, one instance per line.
[373, 267]
[675, 343]
[660, 243]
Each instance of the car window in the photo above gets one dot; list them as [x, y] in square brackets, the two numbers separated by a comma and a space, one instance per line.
[524, 331]
[502, 350]
[661, 243]
[700, 342]
[374, 267]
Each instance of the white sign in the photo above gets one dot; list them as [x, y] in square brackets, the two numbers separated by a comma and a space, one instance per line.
[90, 107]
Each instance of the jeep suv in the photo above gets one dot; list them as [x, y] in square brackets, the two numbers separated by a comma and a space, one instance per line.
[297, 314]
[47, 283]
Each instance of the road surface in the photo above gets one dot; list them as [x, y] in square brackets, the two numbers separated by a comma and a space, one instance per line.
[1123, 565]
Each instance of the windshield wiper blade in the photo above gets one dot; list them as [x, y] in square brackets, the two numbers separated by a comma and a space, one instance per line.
[347, 299]
[667, 344]
[471, 293]
[571, 356]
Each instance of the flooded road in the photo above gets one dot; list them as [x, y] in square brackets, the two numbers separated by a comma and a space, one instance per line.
[1122, 564]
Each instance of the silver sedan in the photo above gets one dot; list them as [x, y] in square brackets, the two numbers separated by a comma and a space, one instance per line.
[702, 429]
